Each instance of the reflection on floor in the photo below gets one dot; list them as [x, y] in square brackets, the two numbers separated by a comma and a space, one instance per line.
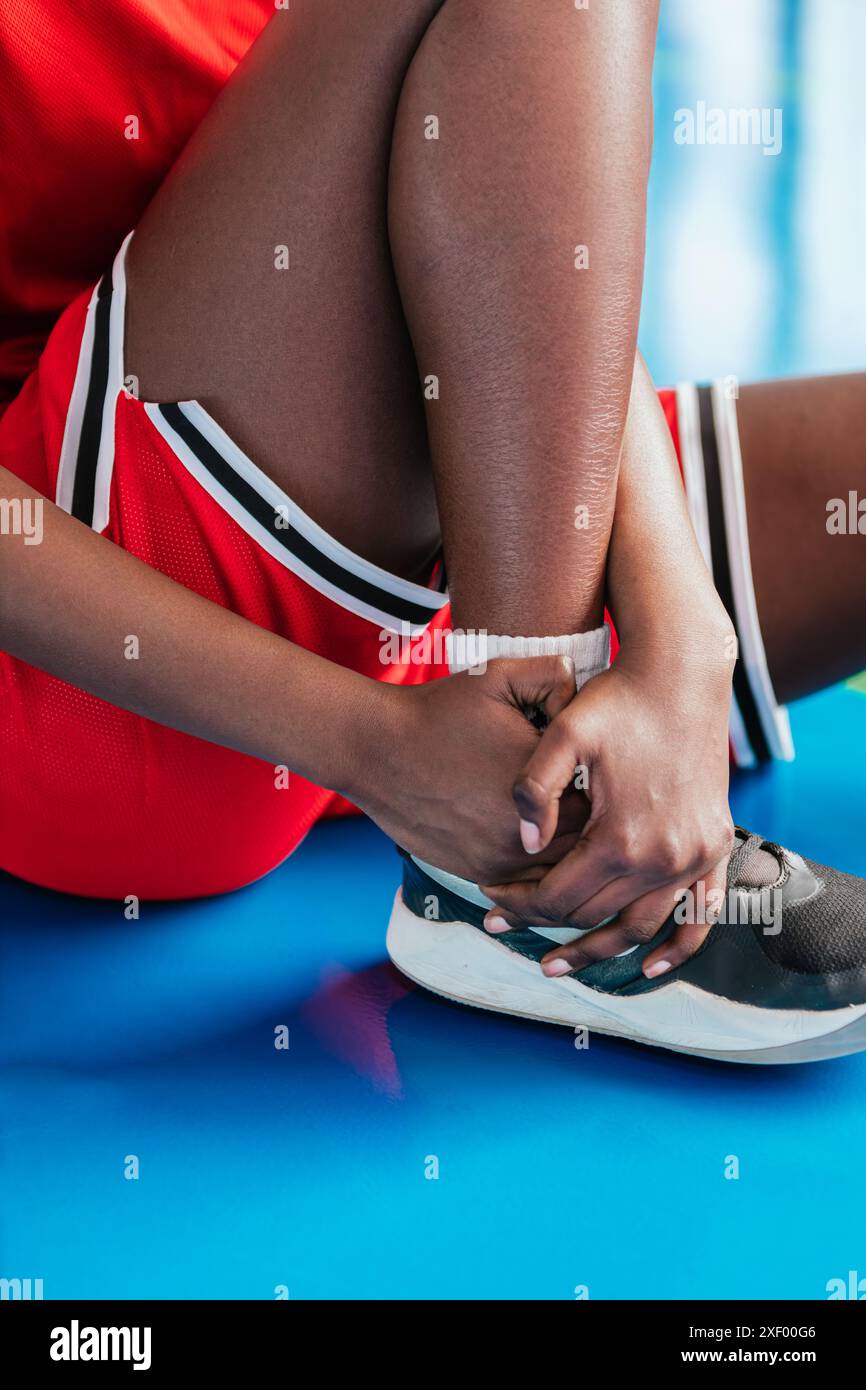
[309, 1166]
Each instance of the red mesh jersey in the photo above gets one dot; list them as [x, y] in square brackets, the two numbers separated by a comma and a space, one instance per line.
[95, 102]
[96, 99]
[98, 801]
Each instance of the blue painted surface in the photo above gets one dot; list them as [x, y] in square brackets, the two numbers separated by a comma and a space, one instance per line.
[558, 1168]
[306, 1167]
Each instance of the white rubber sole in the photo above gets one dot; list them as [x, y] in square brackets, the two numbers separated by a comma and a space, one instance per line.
[458, 961]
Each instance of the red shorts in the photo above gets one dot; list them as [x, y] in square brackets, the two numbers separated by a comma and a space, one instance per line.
[101, 802]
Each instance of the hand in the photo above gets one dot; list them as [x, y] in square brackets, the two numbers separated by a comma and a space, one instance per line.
[652, 736]
[442, 761]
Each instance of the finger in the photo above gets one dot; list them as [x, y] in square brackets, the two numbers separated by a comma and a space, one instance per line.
[569, 833]
[548, 858]
[569, 830]
[580, 873]
[636, 926]
[574, 813]
[533, 868]
[689, 936]
[642, 871]
[497, 921]
[562, 690]
[544, 683]
[537, 792]
[624, 888]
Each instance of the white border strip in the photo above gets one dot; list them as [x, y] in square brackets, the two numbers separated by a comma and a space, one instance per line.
[304, 524]
[75, 413]
[114, 386]
[692, 453]
[773, 716]
[235, 457]
[691, 450]
[263, 537]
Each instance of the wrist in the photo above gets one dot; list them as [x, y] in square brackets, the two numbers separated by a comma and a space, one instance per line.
[324, 722]
[699, 638]
[370, 735]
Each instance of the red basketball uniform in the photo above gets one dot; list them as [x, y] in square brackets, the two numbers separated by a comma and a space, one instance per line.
[99, 801]
[95, 800]
[96, 101]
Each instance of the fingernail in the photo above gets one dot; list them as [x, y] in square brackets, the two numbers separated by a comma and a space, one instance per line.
[660, 967]
[530, 836]
[556, 967]
[496, 924]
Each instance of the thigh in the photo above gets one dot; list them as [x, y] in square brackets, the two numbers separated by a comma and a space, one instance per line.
[261, 282]
[802, 450]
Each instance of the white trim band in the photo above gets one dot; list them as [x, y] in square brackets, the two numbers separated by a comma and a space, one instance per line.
[774, 717]
[590, 651]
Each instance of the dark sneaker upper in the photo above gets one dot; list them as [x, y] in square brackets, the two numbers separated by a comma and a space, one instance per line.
[798, 942]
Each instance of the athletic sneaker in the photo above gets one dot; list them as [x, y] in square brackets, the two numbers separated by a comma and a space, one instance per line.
[781, 977]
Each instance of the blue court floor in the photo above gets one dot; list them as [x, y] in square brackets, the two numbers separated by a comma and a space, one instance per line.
[308, 1168]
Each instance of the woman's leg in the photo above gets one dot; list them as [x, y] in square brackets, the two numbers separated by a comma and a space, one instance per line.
[311, 368]
[802, 443]
[308, 367]
[543, 151]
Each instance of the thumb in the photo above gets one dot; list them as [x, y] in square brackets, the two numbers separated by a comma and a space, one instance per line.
[540, 686]
[549, 772]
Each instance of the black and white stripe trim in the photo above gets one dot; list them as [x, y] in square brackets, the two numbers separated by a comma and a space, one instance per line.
[262, 509]
[713, 475]
[774, 717]
[87, 452]
[270, 518]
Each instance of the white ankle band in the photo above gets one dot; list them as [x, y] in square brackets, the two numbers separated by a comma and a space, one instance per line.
[590, 651]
